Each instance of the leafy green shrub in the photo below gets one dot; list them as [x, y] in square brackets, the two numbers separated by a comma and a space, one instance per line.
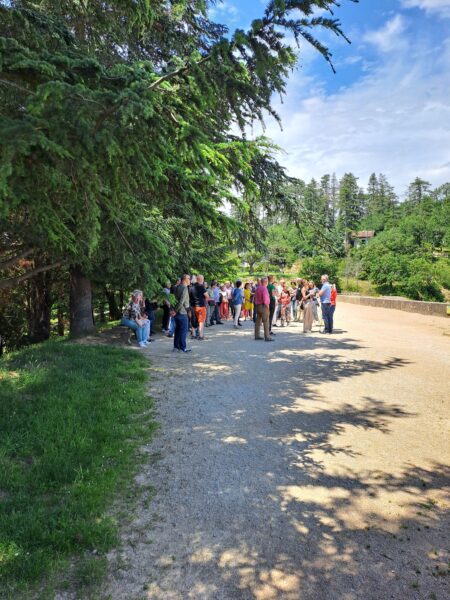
[352, 286]
[388, 269]
[400, 260]
[421, 283]
[397, 272]
[313, 268]
[441, 270]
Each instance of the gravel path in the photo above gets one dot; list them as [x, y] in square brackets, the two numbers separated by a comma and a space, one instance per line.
[316, 467]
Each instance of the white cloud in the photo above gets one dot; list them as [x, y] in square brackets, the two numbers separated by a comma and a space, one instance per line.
[224, 11]
[439, 7]
[388, 37]
[353, 60]
[395, 119]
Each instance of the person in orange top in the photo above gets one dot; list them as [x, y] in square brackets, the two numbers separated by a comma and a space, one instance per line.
[333, 298]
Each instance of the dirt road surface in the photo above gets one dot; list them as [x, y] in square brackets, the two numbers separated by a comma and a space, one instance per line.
[312, 468]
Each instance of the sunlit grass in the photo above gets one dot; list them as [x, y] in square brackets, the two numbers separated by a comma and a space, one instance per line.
[67, 442]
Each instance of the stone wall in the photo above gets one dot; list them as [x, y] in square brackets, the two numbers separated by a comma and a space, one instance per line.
[438, 309]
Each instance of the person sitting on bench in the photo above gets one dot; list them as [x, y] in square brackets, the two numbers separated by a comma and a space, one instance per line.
[133, 318]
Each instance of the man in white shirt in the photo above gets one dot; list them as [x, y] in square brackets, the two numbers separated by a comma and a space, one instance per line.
[325, 300]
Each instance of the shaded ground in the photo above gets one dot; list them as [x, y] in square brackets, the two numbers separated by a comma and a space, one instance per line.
[316, 467]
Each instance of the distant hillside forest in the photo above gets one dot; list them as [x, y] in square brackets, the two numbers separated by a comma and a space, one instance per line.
[362, 235]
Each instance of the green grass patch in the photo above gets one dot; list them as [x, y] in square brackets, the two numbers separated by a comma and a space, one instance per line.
[71, 418]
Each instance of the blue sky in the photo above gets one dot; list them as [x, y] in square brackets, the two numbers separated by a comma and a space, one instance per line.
[388, 107]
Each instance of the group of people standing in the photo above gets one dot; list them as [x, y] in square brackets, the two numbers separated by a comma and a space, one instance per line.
[198, 305]
[300, 301]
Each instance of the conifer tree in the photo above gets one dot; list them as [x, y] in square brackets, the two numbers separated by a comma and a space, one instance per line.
[388, 197]
[350, 203]
[312, 199]
[373, 196]
[417, 191]
[362, 203]
[334, 198]
[381, 201]
[327, 201]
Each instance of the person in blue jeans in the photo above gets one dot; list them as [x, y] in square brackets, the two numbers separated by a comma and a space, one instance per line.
[293, 293]
[238, 299]
[135, 320]
[215, 291]
[171, 327]
[180, 315]
[325, 300]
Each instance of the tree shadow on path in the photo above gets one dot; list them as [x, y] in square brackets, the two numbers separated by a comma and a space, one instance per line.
[266, 509]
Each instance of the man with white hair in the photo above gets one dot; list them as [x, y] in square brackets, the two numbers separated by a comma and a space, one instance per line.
[325, 300]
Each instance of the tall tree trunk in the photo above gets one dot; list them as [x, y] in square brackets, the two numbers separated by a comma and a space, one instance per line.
[40, 307]
[81, 320]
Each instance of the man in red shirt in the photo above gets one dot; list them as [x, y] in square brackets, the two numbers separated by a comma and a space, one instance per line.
[261, 301]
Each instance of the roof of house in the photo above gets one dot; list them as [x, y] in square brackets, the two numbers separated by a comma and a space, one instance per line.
[363, 234]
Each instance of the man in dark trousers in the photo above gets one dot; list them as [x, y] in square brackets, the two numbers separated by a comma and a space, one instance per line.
[180, 314]
[325, 300]
[262, 303]
[273, 300]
